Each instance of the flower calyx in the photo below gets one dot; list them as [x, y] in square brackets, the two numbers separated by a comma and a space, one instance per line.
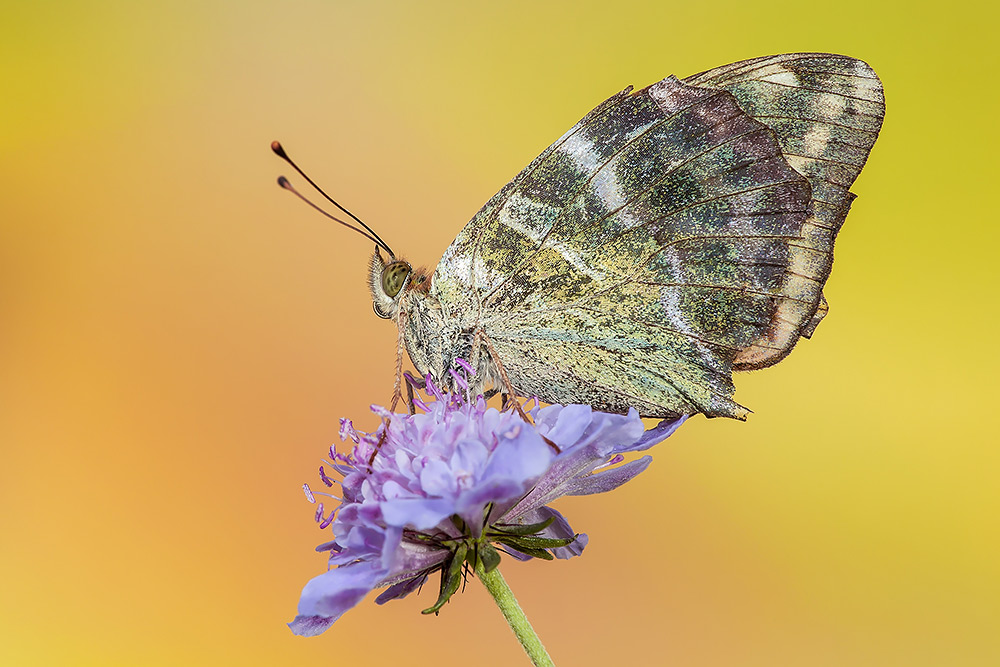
[468, 553]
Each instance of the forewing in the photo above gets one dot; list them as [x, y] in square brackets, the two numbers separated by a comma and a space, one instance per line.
[826, 111]
[636, 257]
[509, 225]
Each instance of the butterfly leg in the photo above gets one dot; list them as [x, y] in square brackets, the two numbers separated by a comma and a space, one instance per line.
[508, 390]
[397, 388]
[412, 382]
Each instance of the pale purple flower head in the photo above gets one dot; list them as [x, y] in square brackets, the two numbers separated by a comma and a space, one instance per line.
[453, 482]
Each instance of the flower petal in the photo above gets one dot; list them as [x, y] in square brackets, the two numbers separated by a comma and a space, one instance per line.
[657, 434]
[401, 589]
[332, 593]
[608, 479]
[603, 437]
[310, 626]
[396, 518]
[563, 425]
[418, 513]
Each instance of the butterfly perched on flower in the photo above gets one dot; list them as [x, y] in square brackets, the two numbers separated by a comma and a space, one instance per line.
[674, 235]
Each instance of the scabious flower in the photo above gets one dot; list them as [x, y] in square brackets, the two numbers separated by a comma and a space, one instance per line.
[451, 485]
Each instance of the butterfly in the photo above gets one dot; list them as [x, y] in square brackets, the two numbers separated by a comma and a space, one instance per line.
[674, 235]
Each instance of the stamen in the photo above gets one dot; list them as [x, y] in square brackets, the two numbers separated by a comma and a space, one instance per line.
[432, 389]
[347, 430]
[615, 460]
[309, 494]
[380, 411]
[459, 380]
[330, 546]
[466, 365]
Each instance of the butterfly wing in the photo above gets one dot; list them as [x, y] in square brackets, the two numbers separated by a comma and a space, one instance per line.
[635, 259]
[826, 111]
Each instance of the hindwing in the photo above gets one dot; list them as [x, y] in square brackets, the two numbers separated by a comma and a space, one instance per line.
[826, 111]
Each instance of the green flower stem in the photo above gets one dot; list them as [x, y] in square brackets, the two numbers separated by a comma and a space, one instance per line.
[518, 622]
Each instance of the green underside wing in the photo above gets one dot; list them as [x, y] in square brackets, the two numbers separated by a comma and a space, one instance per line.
[674, 235]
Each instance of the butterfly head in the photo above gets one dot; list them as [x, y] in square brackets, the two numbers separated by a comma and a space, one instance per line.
[389, 279]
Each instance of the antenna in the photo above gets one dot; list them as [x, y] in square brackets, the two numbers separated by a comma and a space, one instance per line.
[283, 182]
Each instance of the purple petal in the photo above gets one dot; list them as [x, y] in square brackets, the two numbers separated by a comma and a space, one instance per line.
[605, 437]
[469, 458]
[332, 593]
[401, 589]
[391, 548]
[418, 513]
[657, 434]
[521, 454]
[436, 478]
[573, 549]
[470, 505]
[514, 553]
[412, 558]
[564, 425]
[310, 626]
[569, 465]
[608, 479]
[329, 546]
[576, 426]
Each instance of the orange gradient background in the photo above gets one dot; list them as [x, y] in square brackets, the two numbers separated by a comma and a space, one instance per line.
[179, 337]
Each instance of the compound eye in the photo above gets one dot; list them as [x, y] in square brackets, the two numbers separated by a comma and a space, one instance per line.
[393, 277]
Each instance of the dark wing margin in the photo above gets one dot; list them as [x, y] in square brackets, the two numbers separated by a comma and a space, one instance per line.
[826, 111]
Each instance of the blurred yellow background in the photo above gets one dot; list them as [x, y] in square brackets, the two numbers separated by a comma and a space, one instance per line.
[179, 337]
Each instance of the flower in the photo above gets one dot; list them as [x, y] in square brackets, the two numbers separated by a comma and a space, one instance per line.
[454, 483]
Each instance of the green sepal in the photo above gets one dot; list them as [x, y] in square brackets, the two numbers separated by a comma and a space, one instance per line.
[489, 557]
[518, 529]
[459, 523]
[532, 542]
[451, 578]
[528, 551]
[422, 537]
